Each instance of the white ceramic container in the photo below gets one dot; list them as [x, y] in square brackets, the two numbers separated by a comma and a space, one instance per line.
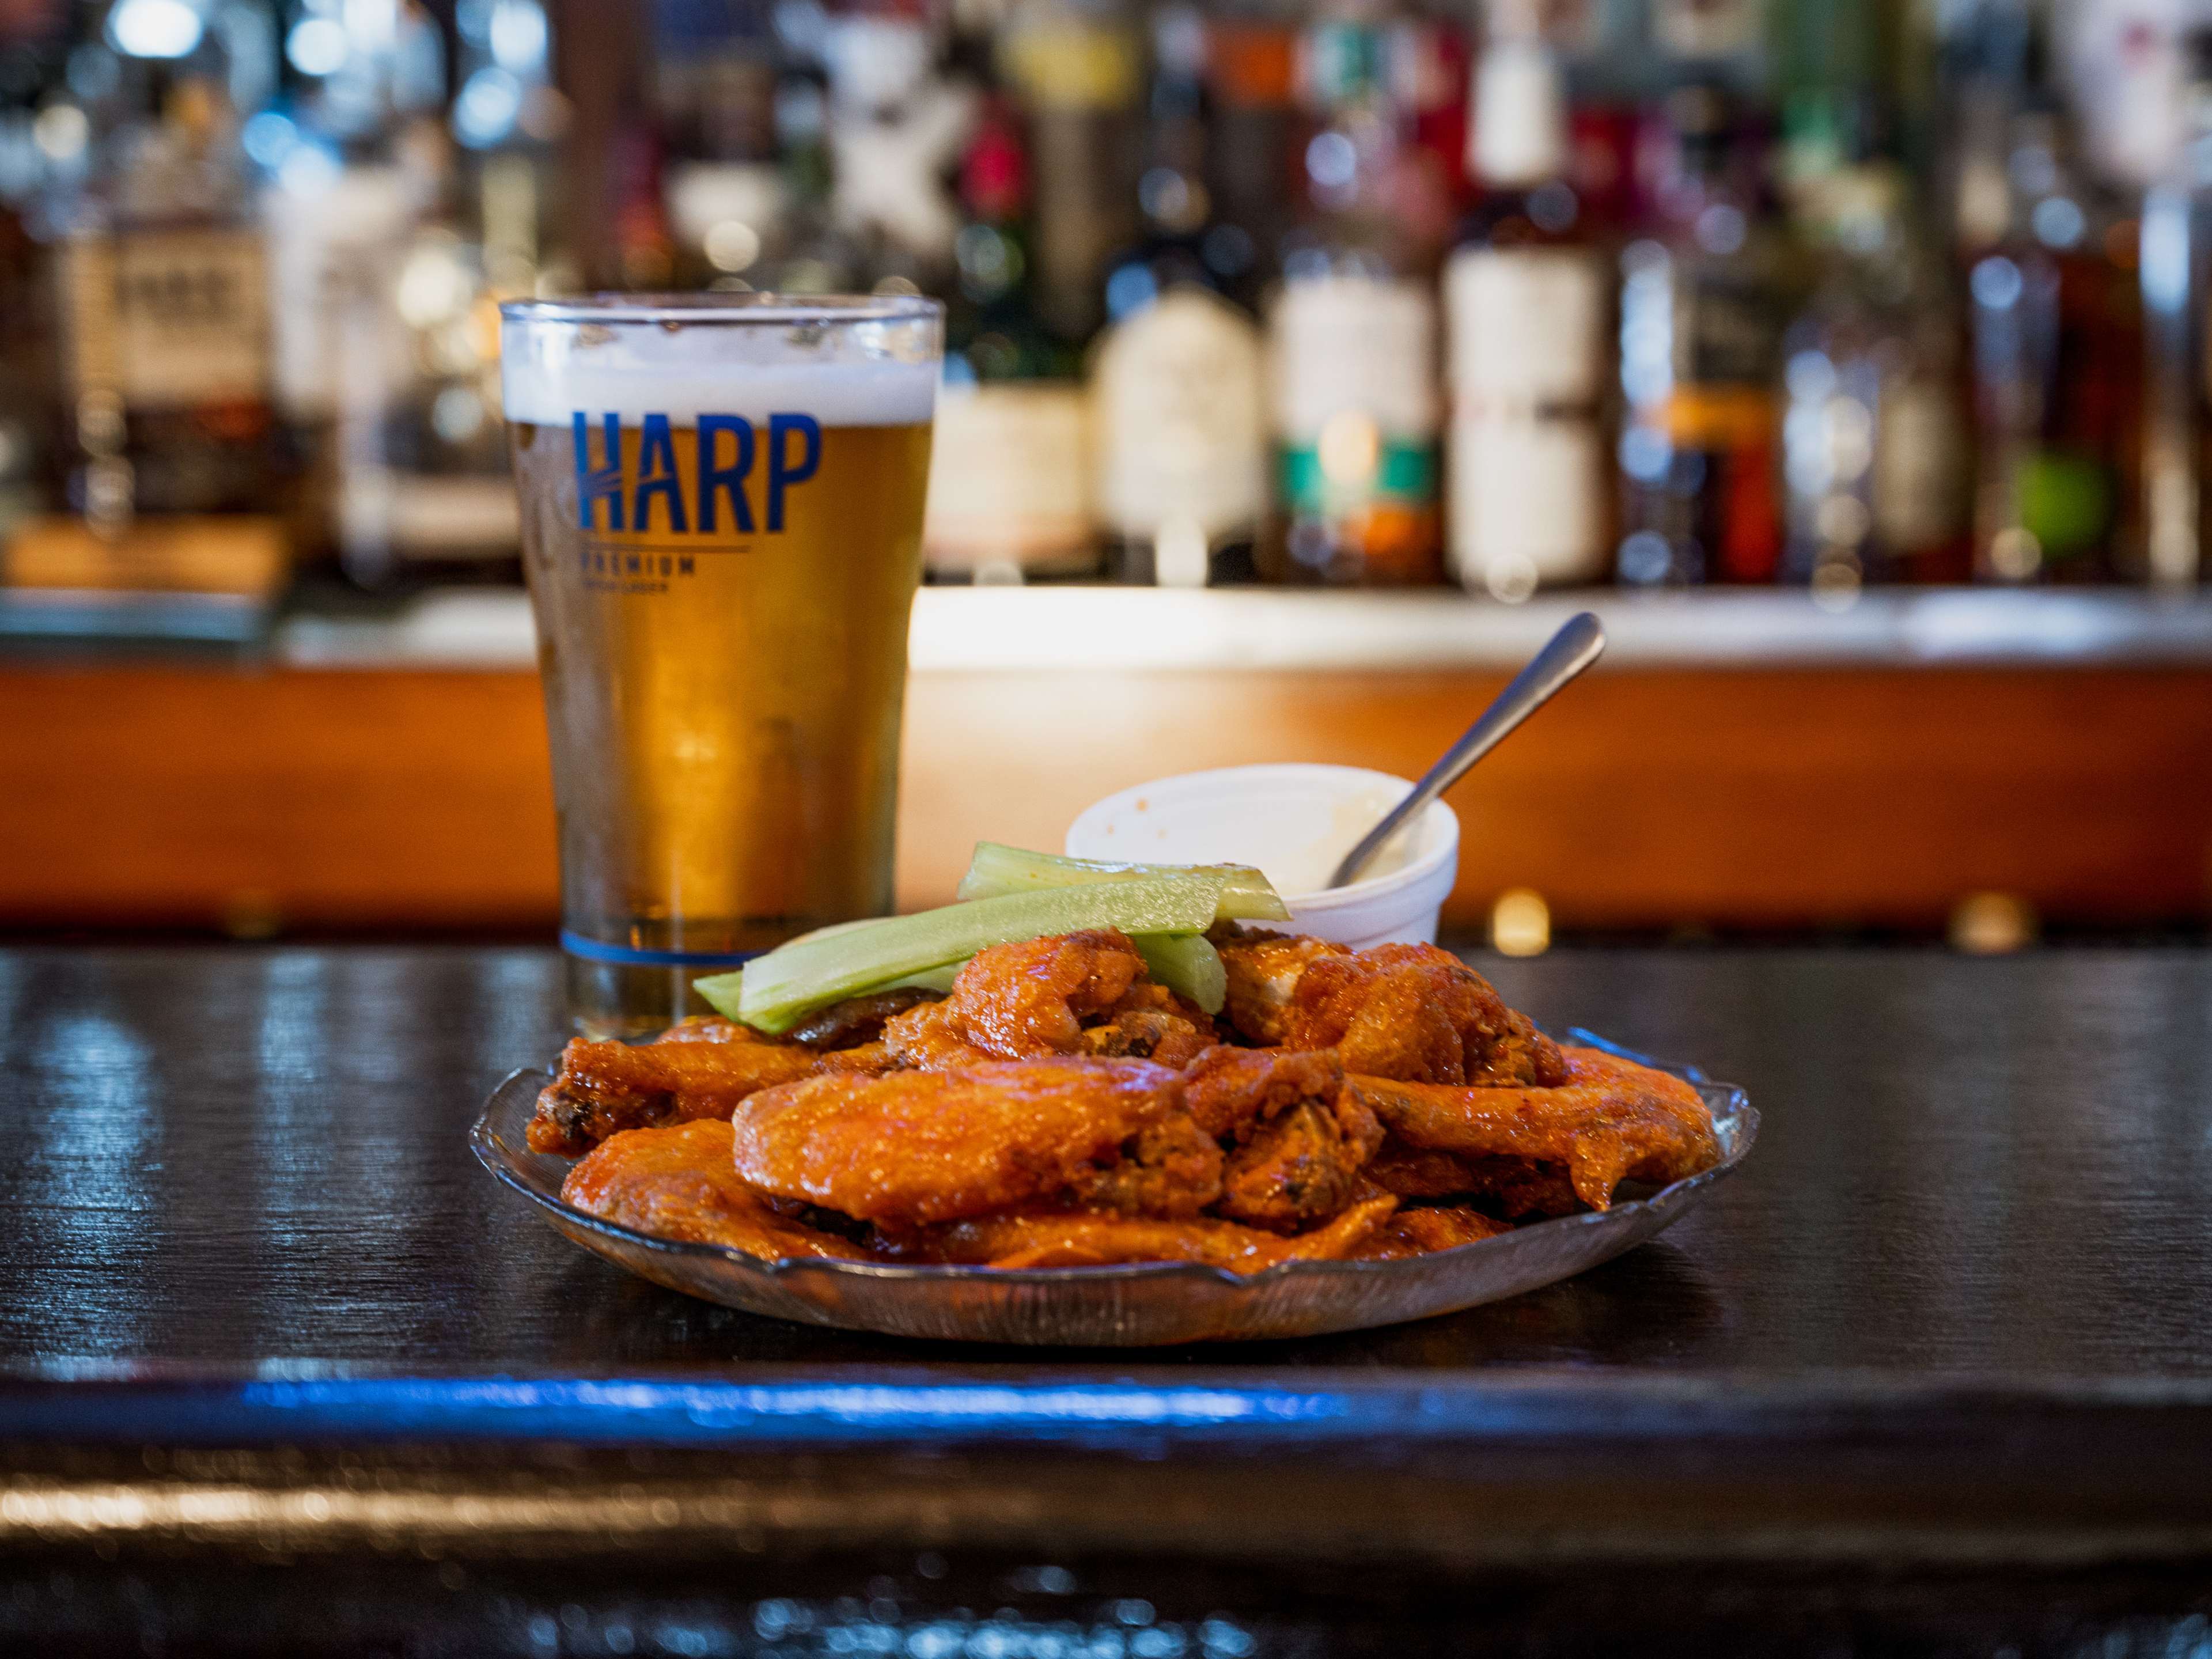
[1295, 823]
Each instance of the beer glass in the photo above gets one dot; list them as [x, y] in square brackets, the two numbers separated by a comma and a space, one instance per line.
[721, 526]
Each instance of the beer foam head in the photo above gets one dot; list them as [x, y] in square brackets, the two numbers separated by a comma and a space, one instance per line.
[870, 373]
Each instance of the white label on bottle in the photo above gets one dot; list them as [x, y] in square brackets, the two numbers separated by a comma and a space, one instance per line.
[169, 319]
[1527, 502]
[420, 515]
[1919, 458]
[334, 260]
[1179, 419]
[703, 195]
[1361, 344]
[1707, 29]
[2125, 61]
[1526, 326]
[1010, 477]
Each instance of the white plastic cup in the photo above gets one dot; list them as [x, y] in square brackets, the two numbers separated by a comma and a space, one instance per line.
[1295, 822]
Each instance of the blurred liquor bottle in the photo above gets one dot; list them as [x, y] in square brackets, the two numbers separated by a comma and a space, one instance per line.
[354, 160]
[427, 496]
[1352, 342]
[1078, 67]
[2058, 360]
[1526, 309]
[1721, 43]
[2177, 296]
[814, 256]
[895, 125]
[1702, 304]
[1177, 412]
[715, 81]
[174, 461]
[1010, 463]
[1828, 63]
[1426, 66]
[1875, 467]
[1255, 167]
[35, 42]
[1174, 245]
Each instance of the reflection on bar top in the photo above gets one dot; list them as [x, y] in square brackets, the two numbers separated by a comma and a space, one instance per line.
[1069, 628]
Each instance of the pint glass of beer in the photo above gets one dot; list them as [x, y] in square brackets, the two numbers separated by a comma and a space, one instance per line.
[722, 524]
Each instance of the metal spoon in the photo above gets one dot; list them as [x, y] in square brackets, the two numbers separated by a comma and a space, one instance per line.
[1572, 649]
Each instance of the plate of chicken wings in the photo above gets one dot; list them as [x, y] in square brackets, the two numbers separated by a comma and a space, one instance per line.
[1056, 1141]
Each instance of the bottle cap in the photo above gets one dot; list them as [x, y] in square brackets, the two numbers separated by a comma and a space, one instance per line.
[1519, 134]
[1252, 64]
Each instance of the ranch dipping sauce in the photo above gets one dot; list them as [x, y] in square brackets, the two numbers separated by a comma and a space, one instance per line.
[1295, 822]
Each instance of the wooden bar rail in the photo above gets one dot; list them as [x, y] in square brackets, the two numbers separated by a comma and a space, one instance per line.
[1650, 798]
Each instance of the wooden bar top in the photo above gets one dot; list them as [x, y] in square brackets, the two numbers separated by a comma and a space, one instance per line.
[258, 1304]
[1969, 1171]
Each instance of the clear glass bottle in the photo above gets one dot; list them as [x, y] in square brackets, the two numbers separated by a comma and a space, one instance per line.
[1174, 203]
[1177, 410]
[714, 74]
[1526, 311]
[423, 456]
[1352, 341]
[353, 163]
[2057, 366]
[1257, 145]
[1077, 66]
[2177, 292]
[1702, 304]
[161, 305]
[895, 125]
[1010, 463]
[1875, 467]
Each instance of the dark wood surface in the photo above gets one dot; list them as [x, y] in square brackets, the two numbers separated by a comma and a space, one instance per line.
[1952, 1325]
[1992, 1169]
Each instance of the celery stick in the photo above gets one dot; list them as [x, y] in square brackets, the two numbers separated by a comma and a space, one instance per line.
[1247, 896]
[775, 992]
[1186, 962]
[938, 979]
[725, 992]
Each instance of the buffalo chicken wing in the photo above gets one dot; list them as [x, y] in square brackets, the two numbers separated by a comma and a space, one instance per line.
[1611, 1121]
[1059, 1108]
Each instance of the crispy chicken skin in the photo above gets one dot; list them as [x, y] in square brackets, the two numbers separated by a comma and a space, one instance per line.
[911, 1148]
[708, 1028]
[1231, 1090]
[1511, 1187]
[1020, 1001]
[1072, 993]
[699, 1069]
[1301, 1135]
[1263, 971]
[1418, 1232]
[1611, 1121]
[604, 1088]
[1059, 1109]
[1080, 1239]
[1151, 1023]
[1417, 1014]
[1302, 1167]
[678, 1183]
[1172, 1167]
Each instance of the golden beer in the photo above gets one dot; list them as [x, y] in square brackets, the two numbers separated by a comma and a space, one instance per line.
[721, 570]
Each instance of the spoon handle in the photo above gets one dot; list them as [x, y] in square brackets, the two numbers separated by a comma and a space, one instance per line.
[1573, 648]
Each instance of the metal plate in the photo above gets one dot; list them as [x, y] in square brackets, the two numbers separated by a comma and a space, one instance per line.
[1135, 1305]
